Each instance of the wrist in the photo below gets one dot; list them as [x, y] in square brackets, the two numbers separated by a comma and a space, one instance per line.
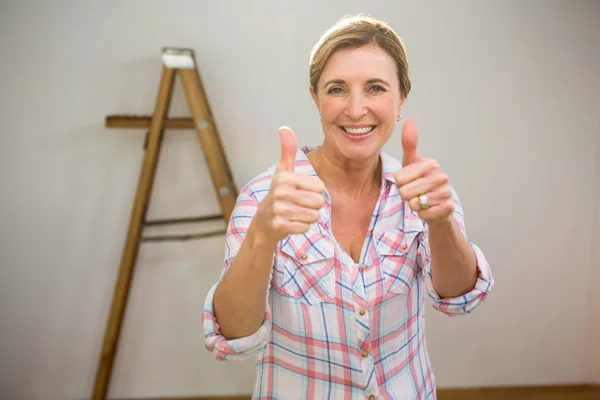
[260, 237]
[441, 223]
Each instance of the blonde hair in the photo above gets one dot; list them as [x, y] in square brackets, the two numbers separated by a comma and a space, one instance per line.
[354, 31]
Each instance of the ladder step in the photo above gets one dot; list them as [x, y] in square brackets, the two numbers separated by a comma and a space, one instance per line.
[144, 121]
[190, 220]
[179, 238]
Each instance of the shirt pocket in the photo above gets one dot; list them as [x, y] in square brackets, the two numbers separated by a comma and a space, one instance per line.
[397, 255]
[304, 269]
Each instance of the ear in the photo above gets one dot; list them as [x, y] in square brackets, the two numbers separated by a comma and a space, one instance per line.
[314, 97]
[401, 104]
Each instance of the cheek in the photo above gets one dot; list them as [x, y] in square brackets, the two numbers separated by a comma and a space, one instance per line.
[387, 110]
[331, 109]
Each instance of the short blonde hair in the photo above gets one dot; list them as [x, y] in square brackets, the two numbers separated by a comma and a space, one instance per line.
[354, 31]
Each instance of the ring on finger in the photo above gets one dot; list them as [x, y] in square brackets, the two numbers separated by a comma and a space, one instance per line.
[424, 202]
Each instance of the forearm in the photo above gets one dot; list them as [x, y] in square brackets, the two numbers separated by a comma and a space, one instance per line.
[453, 261]
[239, 302]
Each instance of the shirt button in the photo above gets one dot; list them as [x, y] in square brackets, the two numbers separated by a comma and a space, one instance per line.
[365, 354]
[304, 256]
[371, 397]
[363, 267]
[362, 312]
[404, 247]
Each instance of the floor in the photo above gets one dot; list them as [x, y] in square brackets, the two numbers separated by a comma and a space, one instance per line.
[529, 393]
[526, 393]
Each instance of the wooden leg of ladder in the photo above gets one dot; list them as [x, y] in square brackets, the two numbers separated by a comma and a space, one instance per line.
[129, 257]
[210, 141]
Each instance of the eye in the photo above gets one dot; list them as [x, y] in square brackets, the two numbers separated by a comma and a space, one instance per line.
[377, 88]
[335, 90]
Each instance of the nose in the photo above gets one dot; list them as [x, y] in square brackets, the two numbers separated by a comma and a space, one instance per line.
[355, 108]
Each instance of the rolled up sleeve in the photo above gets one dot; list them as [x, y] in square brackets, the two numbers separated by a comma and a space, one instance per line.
[217, 344]
[466, 303]
[235, 349]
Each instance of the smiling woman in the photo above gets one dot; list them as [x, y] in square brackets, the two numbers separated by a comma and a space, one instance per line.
[358, 96]
[329, 253]
[359, 66]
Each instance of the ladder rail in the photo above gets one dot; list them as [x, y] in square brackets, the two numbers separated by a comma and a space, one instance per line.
[211, 144]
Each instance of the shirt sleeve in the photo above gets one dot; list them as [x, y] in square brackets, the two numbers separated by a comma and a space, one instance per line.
[465, 304]
[240, 348]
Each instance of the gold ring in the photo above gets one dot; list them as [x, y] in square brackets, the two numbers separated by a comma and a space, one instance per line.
[423, 201]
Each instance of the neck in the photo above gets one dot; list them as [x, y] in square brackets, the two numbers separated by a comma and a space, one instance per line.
[354, 178]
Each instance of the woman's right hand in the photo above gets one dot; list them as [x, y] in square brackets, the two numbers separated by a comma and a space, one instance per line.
[293, 201]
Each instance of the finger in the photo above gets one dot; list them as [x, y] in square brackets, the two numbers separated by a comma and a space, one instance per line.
[293, 212]
[290, 227]
[294, 228]
[439, 196]
[437, 211]
[409, 143]
[289, 146]
[308, 199]
[428, 183]
[302, 182]
[284, 192]
[415, 171]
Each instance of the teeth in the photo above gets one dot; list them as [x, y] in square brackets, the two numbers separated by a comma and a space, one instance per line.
[359, 131]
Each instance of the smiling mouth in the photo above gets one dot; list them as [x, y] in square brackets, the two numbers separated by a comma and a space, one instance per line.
[358, 131]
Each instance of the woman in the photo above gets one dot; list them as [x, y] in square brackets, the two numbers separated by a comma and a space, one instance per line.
[329, 253]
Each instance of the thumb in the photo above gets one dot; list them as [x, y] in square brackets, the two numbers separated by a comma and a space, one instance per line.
[289, 146]
[409, 143]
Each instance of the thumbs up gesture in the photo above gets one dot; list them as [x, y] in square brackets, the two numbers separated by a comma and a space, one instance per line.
[421, 182]
[293, 201]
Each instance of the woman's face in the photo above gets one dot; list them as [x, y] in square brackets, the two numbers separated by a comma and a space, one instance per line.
[359, 99]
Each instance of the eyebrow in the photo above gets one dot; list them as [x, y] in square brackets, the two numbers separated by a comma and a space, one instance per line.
[372, 80]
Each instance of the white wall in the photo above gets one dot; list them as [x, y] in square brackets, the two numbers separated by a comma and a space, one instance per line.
[506, 96]
[594, 286]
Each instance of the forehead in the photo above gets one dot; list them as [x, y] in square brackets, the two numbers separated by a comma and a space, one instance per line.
[360, 64]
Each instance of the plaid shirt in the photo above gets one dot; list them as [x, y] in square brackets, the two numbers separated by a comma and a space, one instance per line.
[336, 329]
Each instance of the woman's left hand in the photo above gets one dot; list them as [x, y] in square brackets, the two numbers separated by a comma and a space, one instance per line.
[423, 181]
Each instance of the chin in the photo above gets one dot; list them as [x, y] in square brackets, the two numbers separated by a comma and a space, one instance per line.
[359, 151]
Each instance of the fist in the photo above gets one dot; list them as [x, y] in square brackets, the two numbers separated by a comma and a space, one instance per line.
[422, 182]
[294, 201]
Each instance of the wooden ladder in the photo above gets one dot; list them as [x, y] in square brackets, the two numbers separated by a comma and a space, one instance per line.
[182, 61]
